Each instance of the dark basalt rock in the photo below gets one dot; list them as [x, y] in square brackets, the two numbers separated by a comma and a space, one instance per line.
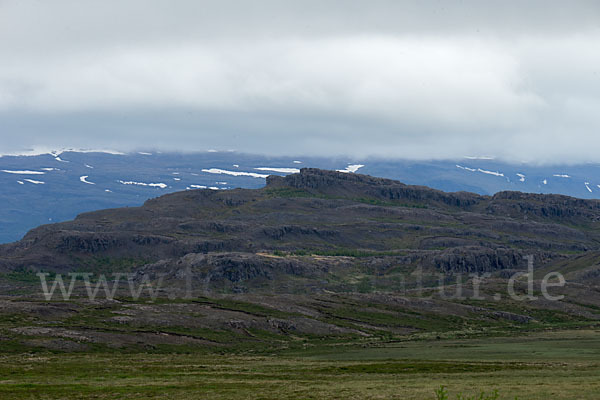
[346, 184]
[321, 220]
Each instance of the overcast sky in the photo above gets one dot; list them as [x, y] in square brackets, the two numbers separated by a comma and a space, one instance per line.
[519, 80]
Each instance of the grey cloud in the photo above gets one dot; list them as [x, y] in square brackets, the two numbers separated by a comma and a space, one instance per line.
[411, 79]
[76, 22]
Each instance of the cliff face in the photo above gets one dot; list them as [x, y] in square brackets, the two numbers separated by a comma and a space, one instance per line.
[379, 223]
[357, 185]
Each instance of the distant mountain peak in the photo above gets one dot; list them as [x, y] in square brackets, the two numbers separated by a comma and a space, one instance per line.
[315, 178]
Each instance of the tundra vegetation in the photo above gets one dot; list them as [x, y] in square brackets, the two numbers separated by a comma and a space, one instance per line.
[320, 285]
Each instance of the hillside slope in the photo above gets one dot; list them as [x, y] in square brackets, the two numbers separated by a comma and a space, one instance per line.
[323, 213]
[318, 258]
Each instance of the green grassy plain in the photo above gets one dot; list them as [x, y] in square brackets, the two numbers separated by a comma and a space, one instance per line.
[545, 365]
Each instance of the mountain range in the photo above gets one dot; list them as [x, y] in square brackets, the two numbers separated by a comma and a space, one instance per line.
[314, 258]
[40, 187]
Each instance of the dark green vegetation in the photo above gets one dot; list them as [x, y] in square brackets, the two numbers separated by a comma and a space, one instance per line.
[556, 365]
[321, 285]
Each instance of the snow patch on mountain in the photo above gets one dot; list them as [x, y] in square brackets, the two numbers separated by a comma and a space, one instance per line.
[105, 151]
[27, 153]
[42, 151]
[281, 170]
[159, 185]
[34, 182]
[466, 168]
[84, 180]
[495, 173]
[25, 172]
[233, 173]
[350, 169]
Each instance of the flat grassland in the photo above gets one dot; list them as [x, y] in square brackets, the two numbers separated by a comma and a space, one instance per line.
[543, 365]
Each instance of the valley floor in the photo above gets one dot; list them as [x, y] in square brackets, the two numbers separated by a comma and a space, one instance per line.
[543, 365]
